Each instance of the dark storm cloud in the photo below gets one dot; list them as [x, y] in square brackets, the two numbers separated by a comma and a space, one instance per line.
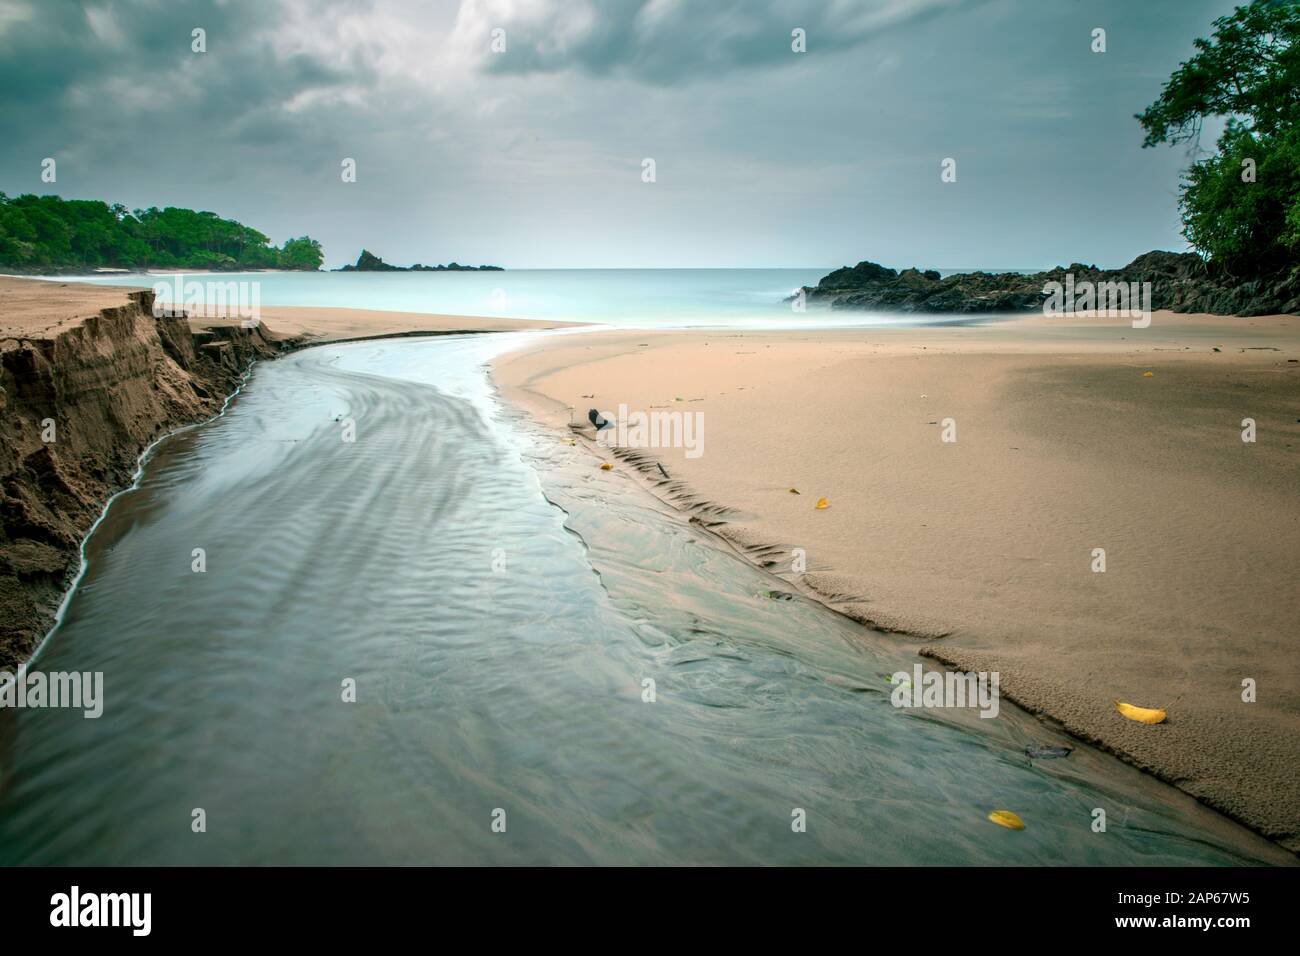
[83, 73]
[533, 157]
[668, 41]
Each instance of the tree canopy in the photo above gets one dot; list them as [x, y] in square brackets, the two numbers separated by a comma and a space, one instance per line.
[49, 233]
[1241, 205]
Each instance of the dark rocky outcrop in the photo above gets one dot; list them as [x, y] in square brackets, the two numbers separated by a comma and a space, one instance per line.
[369, 262]
[110, 385]
[1180, 282]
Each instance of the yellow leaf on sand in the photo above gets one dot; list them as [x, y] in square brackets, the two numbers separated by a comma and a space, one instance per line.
[822, 503]
[605, 466]
[1143, 715]
[794, 491]
[1148, 374]
[1005, 818]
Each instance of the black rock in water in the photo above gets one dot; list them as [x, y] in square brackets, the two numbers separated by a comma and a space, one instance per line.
[369, 262]
[1180, 282]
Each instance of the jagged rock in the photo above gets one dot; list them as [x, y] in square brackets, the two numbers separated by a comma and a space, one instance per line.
[1180, 282]
[369, 262]
[856, 277]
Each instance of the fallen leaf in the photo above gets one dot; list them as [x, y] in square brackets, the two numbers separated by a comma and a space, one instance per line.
[1143, 715]
[1148, 374]
[605, 466]
[1005, 818]
[794, 491]
[822, 503]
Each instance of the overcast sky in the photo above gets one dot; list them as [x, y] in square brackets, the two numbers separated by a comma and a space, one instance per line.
[532, 157]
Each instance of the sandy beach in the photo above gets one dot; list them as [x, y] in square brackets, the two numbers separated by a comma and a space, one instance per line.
[1071, 435]
[318, 324]
[40, 309]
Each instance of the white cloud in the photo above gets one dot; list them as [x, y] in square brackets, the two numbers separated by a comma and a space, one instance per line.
[12, 12]
[666, 41]
[104, 25]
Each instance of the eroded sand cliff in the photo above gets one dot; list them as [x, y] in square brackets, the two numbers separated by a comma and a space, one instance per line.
[80, 399]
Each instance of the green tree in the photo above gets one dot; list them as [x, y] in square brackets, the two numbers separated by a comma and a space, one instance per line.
[49, 233]
[302, 253]
[1241, 205]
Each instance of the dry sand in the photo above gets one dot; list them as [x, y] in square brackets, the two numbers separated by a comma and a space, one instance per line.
[38, 308]
[981, 551]
[331, 325]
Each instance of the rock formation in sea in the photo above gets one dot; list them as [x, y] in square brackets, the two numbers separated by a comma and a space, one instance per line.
[76, 410]
[369, 262]
[1180, 282]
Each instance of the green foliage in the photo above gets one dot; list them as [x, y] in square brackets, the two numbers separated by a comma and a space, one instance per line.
[1249, 227]
[48, 233]
[303, 253]
[1248, 73]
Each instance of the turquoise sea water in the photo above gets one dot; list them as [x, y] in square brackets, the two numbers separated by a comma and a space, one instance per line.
[639, 298]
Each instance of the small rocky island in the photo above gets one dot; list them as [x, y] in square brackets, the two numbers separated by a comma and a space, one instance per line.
[369, 262]
[1180, 282]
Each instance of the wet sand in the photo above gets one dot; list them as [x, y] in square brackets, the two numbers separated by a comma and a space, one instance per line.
[980, 552]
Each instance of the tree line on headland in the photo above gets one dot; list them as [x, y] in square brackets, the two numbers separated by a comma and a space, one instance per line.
[50, 234]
